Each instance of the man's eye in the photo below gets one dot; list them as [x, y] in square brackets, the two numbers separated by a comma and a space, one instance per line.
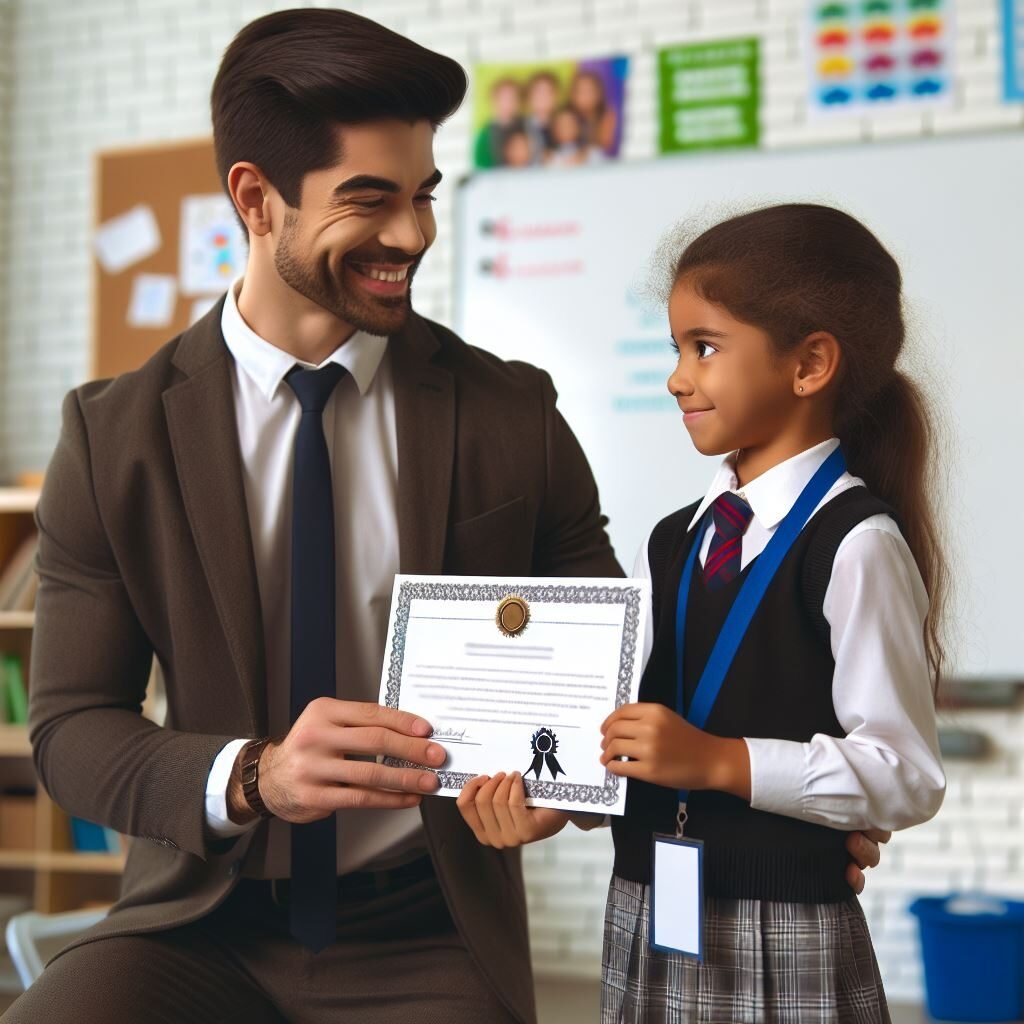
[426, 199]
[367, 204]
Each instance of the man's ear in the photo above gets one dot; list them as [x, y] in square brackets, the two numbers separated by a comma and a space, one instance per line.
[250, 192]
[820, 357]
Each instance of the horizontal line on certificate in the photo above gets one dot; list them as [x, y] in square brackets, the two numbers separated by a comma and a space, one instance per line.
[521, 682]
[530, 723]
[518, 703]
[464, 743]
[454, 618]
[505, 647]
[535, 671]
[556, 622]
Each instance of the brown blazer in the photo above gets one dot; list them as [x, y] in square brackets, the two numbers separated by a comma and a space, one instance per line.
[145, 550]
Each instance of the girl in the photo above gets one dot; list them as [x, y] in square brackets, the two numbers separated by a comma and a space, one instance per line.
[788, 326]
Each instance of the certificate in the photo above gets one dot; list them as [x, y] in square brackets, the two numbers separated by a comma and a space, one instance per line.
[517, 674]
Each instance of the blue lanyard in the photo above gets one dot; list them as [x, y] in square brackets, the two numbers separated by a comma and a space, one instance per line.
[749, 597]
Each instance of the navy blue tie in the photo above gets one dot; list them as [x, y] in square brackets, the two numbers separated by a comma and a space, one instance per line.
[313, 894]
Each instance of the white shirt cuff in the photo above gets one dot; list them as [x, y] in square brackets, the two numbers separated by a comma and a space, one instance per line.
[217, 819]
[777, 775]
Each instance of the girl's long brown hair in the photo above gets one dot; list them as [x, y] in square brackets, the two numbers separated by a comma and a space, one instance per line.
[795, 269]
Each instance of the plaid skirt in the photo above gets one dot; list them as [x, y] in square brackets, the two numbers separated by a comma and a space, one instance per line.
[769, 963]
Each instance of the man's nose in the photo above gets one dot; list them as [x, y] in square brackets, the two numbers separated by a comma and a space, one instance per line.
[403, 232]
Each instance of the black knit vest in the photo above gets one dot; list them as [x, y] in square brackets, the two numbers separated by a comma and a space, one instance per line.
[779, 687]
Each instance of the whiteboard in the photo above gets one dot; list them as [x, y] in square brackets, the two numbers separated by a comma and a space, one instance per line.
[548, 269]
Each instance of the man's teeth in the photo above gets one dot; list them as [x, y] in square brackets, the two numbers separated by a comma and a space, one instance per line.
[385, 275]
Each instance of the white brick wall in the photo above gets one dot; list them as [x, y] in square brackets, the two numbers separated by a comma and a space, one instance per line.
[6, 83]
[96, 73]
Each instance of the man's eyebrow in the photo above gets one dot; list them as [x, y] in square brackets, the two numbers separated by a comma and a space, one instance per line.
[365, 182]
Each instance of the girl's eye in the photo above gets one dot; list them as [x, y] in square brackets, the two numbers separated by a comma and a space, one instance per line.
[704, 350]
[672, 345]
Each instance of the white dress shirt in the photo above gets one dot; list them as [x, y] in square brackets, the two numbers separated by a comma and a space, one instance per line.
[886, 772]
[359, 427]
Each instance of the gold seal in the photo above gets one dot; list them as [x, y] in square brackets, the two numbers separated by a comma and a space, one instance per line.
[513, 615]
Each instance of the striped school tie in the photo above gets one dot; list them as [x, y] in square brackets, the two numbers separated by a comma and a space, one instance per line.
[732, 516]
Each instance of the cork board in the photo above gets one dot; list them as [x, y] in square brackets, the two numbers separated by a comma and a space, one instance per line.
[159, 177]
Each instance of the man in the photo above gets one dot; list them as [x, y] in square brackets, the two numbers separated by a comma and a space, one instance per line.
[238, 508]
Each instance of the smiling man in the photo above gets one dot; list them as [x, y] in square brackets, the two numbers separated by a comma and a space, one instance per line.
[238, 507]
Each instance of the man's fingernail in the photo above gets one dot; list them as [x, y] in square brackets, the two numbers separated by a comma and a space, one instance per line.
[423, 727]
[436, 754]
[429, 783]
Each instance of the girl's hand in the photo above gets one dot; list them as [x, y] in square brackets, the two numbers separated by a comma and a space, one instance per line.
[665, 749]
[495, 809]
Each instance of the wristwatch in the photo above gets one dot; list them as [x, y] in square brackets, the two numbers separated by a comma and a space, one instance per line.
[249, 758]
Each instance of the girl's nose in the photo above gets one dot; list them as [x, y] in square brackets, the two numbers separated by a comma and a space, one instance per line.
[679, 383]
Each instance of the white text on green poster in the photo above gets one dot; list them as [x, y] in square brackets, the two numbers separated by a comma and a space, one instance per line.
[710, 95]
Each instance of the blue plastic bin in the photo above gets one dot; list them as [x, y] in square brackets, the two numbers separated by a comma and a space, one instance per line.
[973, 962]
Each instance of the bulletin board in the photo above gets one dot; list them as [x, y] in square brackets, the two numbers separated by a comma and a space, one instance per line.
[159, 178]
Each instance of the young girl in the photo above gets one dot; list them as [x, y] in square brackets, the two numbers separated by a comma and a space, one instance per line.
[788, 326]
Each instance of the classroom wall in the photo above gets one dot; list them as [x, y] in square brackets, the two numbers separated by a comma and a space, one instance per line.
[6, 76]
[95, 73]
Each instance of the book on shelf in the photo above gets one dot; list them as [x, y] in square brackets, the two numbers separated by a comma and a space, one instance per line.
[13, 696]
[88, 837]
[17, 574]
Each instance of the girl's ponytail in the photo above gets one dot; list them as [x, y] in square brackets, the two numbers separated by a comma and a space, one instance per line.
[887, 441]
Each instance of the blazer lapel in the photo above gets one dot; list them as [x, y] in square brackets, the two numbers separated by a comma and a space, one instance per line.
[200, 415]
[425, 424]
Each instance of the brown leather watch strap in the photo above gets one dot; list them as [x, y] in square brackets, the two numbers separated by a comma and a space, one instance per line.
[249, 759]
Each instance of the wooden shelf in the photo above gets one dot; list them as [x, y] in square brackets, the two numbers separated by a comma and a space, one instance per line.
[64, 861]
[17, 620]
[14, 741]
[18, 499]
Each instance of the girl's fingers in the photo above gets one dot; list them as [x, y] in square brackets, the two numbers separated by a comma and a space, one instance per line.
[503, 814]
[622, 748]
[467, 806]
[627, 769]
[624, 729]
[627, 712]
[484, 803]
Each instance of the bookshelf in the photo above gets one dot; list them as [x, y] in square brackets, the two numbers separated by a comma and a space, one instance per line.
[38, 861]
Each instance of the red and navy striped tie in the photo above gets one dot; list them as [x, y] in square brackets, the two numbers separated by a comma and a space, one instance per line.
[732, 516]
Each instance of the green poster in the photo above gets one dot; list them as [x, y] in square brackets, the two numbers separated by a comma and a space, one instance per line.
[710, 95]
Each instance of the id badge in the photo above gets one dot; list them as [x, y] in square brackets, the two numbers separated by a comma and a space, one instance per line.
[677, 896]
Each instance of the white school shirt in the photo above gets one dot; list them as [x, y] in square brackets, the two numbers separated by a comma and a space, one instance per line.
[886, 772]
[359, 427]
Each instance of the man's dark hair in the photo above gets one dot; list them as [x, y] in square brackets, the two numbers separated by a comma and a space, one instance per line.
[289, 79]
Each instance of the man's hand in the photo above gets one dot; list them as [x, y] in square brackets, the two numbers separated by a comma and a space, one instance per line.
[495, 809]
[863, 848]
[310, 774]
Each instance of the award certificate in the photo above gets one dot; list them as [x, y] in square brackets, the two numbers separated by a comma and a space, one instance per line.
[517, 674]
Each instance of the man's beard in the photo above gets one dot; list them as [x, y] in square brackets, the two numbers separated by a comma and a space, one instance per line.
[379, 315]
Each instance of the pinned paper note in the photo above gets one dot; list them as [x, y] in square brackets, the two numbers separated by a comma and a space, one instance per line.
[126, 239]
[200, 307]
[152, 301]
[213, 248]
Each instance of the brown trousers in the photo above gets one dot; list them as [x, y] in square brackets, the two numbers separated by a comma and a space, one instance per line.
[398, 958]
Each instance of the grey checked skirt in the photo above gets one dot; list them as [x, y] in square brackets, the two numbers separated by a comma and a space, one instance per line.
[764, 963]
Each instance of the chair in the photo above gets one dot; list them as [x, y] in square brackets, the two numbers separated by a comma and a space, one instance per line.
[33, 938]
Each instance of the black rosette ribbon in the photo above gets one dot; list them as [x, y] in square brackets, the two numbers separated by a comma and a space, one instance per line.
[545, 746]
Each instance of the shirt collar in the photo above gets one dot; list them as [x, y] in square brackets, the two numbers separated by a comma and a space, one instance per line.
[267, 365]
[775, 491]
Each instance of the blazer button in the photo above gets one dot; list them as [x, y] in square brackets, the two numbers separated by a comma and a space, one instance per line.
[233, 869]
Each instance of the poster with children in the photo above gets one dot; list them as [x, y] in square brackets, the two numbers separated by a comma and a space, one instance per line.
[556, 114]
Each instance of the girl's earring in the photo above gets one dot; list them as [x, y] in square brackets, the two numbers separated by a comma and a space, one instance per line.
[801, 389]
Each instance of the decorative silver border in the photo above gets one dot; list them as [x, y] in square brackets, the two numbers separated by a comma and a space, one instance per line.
[408, 592]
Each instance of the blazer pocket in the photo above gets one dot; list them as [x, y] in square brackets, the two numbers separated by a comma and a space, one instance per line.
[494, 543]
